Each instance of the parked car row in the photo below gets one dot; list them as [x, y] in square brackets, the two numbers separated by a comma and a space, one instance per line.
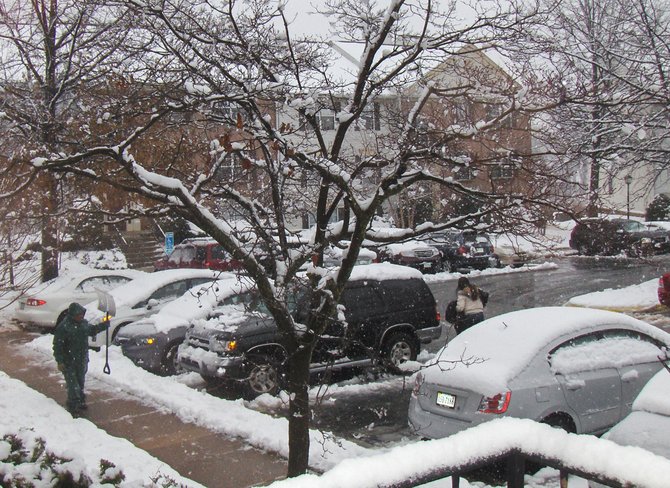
[451, 251]
[615, 236]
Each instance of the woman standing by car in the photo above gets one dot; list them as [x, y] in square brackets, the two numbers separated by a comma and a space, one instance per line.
[470, 303]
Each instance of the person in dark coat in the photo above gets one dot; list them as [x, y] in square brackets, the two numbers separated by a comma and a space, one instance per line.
[70, 347]
[469, 305]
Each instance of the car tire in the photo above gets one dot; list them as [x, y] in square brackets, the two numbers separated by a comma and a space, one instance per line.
[170, 365]
[263, 376]
[399, 348]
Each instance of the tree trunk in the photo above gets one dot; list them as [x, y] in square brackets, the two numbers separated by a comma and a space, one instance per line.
[49, 232]
[298, 421]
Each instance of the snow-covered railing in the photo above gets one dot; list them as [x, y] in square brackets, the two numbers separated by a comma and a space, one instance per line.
[586, 456]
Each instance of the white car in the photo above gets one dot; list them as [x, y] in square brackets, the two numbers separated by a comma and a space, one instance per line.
[152, 342]
[146, 296]
[648, 425]
[47, 303]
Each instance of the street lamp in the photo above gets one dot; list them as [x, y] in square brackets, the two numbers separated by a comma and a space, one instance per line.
[628, 179]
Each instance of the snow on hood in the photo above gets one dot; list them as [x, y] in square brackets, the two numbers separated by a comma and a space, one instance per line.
[197, 303]
[496, 341]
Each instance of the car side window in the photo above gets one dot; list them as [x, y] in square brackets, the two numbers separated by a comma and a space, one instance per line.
[176, 255]
[167, 292]
[102, 283]
[218, 252]
[89, 285]
[600, 350]
[363, 297]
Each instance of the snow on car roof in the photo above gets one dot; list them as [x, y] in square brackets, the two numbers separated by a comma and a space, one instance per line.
[73, 278]
[384, 271]
[487, 356]
[141, 288]
[407, 246]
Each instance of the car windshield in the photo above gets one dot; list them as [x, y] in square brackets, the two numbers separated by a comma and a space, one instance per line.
[218, 252]
[633, 226]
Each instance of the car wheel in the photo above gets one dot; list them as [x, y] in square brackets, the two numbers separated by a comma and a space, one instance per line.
[170, 365]
[263, 376]
[399, 348]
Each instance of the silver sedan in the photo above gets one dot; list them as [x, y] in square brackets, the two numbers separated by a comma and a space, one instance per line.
[578, 369]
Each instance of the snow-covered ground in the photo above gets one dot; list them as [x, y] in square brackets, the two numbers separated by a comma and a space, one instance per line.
[86, 443]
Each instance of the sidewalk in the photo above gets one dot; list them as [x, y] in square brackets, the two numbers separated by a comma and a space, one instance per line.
[206, 457]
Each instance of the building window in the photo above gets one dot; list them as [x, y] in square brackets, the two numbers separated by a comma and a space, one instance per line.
[502, 172]
[326, 119]
[226, 110]
[462, 113]
[369, 119]
[229, 170]
[465, 173]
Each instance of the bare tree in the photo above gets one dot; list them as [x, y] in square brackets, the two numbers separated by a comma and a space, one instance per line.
[53, 51]
[288, 130]
[608, 60]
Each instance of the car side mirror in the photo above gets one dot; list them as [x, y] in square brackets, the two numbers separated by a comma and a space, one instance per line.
[152, 303]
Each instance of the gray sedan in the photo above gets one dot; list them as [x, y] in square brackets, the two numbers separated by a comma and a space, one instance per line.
[578, 369]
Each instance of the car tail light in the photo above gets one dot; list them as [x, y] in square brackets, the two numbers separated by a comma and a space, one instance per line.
[462, 250]
[496, 403]
[417, 384]
[437, 315]
[35, 302]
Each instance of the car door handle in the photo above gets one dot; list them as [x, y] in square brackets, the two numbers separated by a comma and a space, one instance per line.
[574, 385]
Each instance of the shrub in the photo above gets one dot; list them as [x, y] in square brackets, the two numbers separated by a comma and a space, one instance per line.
[659, 208]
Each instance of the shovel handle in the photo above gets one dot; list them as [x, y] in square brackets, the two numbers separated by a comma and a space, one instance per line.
[106, 369]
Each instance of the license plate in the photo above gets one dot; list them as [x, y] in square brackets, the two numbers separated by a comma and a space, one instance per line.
[480, 250]
[446, 400]
[427, 265]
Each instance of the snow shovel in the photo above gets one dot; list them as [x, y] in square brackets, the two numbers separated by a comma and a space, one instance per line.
[108, 307]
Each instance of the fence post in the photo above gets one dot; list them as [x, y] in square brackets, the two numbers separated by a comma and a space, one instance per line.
[516, 467]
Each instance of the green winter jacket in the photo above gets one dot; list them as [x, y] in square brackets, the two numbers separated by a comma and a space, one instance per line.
[70, 343]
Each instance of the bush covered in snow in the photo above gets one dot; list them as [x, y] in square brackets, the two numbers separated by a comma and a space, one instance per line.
[26, 462]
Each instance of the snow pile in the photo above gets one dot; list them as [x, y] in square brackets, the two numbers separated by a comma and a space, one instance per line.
[631, 466]
[219, 415]
[636, 297]
[75, 439]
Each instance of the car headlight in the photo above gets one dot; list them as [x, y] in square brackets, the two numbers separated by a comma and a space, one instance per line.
[407, 254]
[222, 346]
[646, 240]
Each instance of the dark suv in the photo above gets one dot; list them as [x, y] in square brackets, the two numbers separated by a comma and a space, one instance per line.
[464, 249]
[614, 236]
[199, 253]
[389, 312]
